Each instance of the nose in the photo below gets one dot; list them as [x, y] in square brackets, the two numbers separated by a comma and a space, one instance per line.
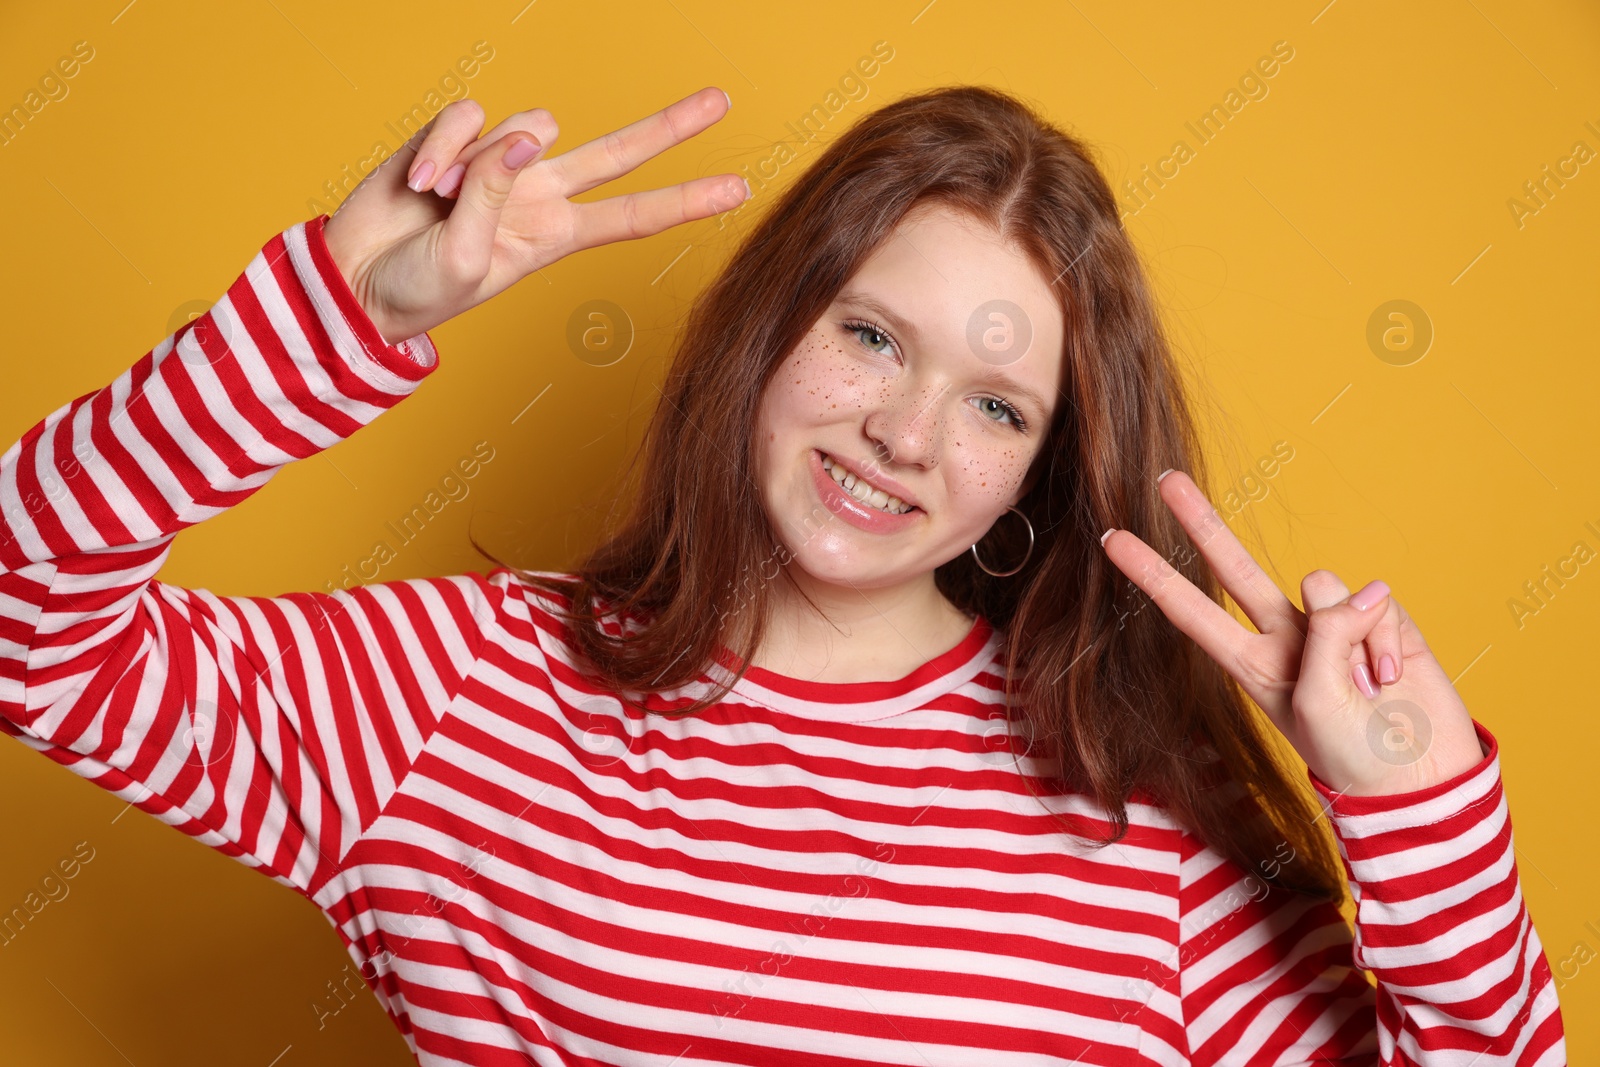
[905, 428]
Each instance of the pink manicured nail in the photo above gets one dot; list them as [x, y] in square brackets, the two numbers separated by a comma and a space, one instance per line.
[519, 153]
[1363, 680]
[1373, 592]
[420, 175]
[451, 180]
[1386, 672]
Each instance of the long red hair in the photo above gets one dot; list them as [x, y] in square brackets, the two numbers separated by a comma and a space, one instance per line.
[1125, 704]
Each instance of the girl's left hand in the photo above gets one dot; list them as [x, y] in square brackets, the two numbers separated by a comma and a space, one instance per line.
[1362, 738]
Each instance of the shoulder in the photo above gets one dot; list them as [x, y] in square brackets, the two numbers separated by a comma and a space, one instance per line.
[546, 599]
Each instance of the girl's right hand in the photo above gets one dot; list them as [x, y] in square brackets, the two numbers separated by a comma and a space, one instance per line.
[416, 257]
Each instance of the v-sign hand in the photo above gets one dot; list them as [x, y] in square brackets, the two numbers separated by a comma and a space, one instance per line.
[1305, 671]
[457, 216]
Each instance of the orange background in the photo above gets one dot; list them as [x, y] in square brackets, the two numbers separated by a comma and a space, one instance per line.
[1383, 160]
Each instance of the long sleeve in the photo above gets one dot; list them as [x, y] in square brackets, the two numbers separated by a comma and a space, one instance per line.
[1271, 977]
[273, 729]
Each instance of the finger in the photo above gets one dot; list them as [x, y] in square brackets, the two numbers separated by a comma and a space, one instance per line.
[624, 218]
[1337, 628]
[1257, 595]
[1383, 645]
[436, 145]
[1217, 633]
[1323, 589]
[467, 247]
[388, 177]
[618, 152]
[537, 121]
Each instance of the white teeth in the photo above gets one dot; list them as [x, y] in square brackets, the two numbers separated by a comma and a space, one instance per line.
[863, 492]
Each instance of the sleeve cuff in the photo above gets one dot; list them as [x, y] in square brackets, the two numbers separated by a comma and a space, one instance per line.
[411, 359]
[1420, 806]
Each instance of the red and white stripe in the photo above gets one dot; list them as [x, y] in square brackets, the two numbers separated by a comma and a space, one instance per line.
[809, 873]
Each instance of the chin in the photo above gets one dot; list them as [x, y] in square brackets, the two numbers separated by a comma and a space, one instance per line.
[824, 546]
[835, 559]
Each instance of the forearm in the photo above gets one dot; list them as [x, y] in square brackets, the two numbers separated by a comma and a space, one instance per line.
[90, 496]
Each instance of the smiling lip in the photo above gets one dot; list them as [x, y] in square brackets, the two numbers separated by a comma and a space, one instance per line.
[851, 510]
[879, 480]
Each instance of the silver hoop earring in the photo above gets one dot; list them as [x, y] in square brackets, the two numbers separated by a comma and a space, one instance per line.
[1018, 567]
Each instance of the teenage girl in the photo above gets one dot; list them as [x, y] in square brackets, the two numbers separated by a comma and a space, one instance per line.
[856, 742]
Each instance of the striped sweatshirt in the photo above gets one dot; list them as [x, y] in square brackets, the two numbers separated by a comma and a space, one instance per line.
[528, 870]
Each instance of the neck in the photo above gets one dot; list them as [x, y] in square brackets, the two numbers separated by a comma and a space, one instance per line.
[855, 634]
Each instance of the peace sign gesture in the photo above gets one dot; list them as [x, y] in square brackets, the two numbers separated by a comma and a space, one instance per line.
[1317, 677]
[458, 215]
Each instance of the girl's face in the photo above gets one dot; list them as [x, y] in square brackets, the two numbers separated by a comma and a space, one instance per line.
[932, 377]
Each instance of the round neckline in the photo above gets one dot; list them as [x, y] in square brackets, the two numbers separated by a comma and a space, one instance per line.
[843, 702]
[872, 699]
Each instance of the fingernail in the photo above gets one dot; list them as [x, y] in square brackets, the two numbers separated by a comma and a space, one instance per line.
[730, 99]
[731, 200]
[1370, 594]
[1363, 680]
[1386, 672]
[1107, 534]
[451, 179]
[420, 175]
[518, 154]
[1163, 474]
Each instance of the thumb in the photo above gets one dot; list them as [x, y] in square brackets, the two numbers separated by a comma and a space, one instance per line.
[469, 232]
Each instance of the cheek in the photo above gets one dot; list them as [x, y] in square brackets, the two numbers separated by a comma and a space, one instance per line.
[992, 471]
[818, 383]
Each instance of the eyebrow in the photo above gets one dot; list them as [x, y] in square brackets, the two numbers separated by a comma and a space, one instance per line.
[872, 303]
[994, 377]
[1019, 391]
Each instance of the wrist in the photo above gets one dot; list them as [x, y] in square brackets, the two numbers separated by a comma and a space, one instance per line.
[349, 263]
[1443, 770]
[332, 237]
